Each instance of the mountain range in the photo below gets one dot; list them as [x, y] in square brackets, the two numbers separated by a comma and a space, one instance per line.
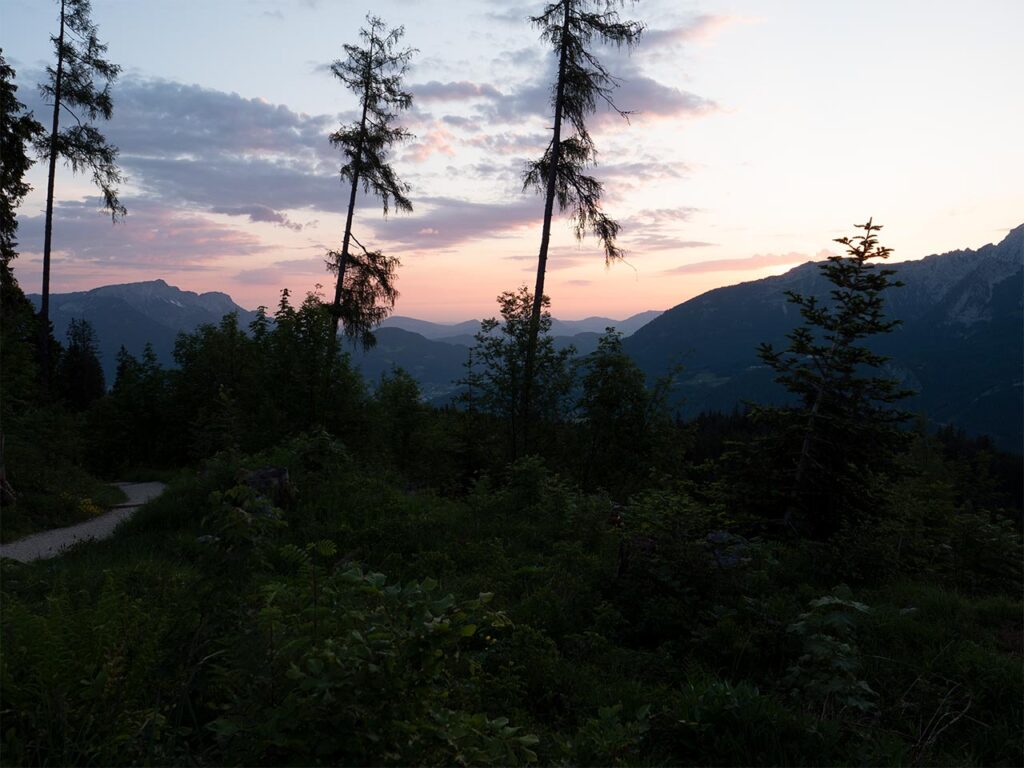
[132, 314]
[959, 344]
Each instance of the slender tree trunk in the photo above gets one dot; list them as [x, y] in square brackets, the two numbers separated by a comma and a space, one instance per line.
[44, 309]
[805, 448]
[346, 240]
[545, 237]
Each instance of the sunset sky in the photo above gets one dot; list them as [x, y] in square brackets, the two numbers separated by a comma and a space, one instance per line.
[761, 131]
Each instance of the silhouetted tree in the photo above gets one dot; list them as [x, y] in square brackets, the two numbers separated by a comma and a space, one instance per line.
[368, 291]
[17, 130]
[619, 417]
[496, 373]
[17, 317]
[843, 428]
[79, 371]
[80, 85]
[364, 291]
[572, 27]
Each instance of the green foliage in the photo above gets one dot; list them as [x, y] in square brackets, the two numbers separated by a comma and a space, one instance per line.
[371, 662]
[643, 634]
[826, 674]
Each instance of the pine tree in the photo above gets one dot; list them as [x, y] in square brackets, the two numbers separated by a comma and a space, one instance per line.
[79, 85]
[79, 372]
[364, 291]
[843, 430]
[572, 27]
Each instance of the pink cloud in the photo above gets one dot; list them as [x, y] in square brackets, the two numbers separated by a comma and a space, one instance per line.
[700, 28]
[757, 261]
[437, 141]
[151, 236]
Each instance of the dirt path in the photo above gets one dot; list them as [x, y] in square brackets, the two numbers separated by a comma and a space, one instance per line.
[50, 543]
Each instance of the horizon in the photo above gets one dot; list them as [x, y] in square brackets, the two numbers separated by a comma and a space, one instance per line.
[586, 315]
[722, 177]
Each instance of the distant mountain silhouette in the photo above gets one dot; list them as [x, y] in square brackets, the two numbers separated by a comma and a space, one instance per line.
[463, 332]
[436, 365]
[135, 313]
[960, 344]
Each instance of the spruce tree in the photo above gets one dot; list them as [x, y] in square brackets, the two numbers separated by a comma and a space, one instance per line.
[79, 373]
[79, 85]
[364, 292]
[572, 27]
[843, 431]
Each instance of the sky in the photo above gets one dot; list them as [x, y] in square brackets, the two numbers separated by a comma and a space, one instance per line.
[760, 131]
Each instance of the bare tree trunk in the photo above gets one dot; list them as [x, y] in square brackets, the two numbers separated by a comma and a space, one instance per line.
[545, 238]
[44, 309]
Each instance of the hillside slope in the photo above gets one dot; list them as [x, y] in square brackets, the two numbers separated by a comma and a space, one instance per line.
[959, 344]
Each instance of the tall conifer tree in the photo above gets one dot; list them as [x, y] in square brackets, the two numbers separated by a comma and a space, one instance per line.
[78, 85]
[844, 426]
[364, 291]
[572, 27]
[17, 129]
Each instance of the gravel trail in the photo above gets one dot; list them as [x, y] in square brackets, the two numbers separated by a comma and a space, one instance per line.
[50, 543]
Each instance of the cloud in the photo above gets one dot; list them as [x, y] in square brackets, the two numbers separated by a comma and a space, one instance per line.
[700, 28]
[280, 273]
[192, 146]
[660, 216]
[448, 222]
[152, 236]
[586, 253]
[436, 141]
[258, 213]
[646, 99]
[454, 91]
[658, 241]
[757, 261]
[644, 169]
[511, 143]
[515, 14]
